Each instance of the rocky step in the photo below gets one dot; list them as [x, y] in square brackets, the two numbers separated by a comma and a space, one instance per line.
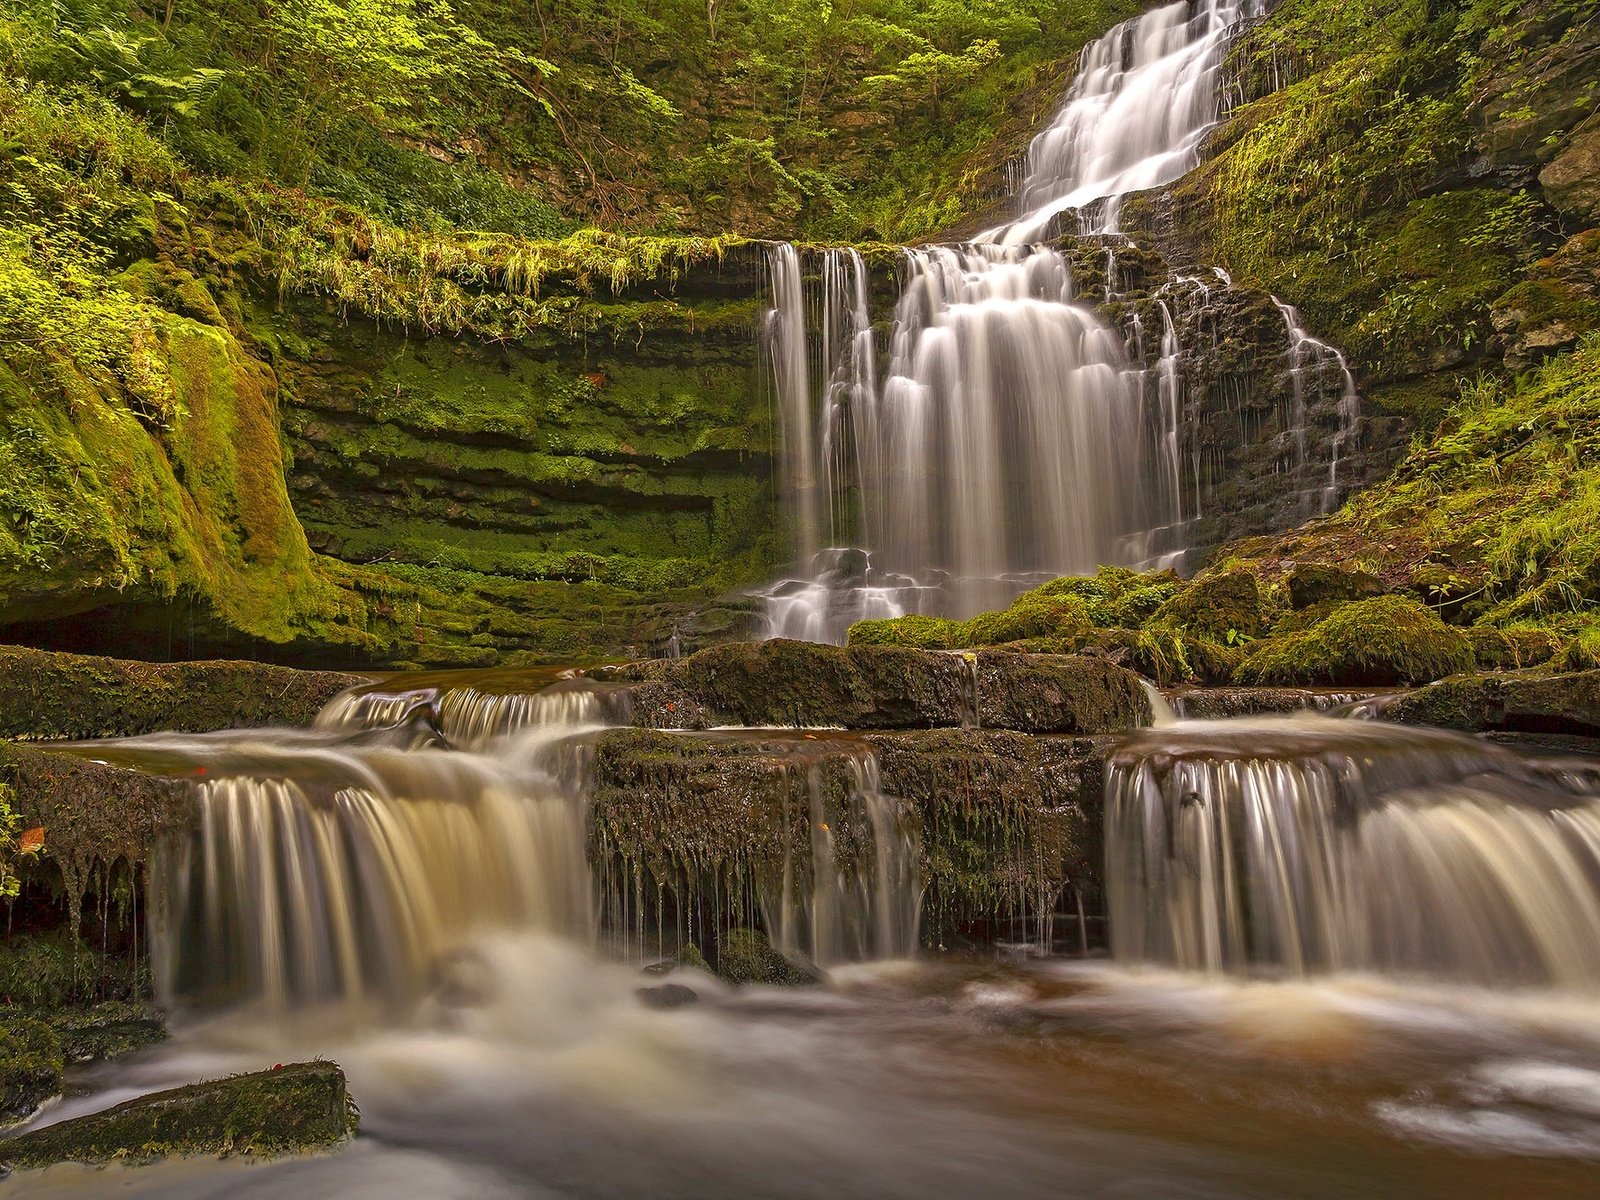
[52, 695]
[802, 684]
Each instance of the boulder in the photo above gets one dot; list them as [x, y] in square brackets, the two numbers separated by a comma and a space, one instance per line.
[286, 1110]
[1381, 642]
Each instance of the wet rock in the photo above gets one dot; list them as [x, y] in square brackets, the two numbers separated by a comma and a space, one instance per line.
[1210, 704]
[703, 824]
[92, 814]
[745, 956]
[1521, 702]
[1049, 693]
[801, 684]
[112, 1029]
[31, 1066]
[287, 1110]
[667, 996]
[53, 695]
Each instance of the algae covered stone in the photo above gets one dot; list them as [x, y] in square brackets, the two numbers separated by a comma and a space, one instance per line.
[286, 1110]
[746, 956]
[1379, 642]
[31, 1063]
[1524, 701]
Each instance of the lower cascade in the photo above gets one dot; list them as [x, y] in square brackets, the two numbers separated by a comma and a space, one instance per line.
[356, 864]
[1306, 846]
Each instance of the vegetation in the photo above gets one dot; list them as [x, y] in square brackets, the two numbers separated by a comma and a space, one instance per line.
[1346, 188]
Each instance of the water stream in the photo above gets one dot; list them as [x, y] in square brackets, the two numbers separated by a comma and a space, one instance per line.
[1350, 960]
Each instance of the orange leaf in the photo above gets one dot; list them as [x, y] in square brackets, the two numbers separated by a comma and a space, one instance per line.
[32, 840]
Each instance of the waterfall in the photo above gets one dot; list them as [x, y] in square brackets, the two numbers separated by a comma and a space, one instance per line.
[355, 866]
[1302, 846]
[1013, 435]
[1308, 356]
[850, 902]
[1144, 96]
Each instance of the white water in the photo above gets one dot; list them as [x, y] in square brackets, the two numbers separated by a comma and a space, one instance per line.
[1307, 845]
[1144, 97]
[1013, 435]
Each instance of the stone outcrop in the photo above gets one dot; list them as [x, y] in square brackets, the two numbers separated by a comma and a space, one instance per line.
[288, 1110]
[799, 684]
[53, 695]
[1514, 702]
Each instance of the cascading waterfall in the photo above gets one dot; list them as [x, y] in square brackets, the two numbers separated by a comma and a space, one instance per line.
[1303, 846]
[872, 907]
[1309, 356]
[1144, 96]
[1014, 435]
[354, 866]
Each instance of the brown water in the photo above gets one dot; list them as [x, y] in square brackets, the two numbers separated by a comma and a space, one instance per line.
[939, 1079]
[423, 915]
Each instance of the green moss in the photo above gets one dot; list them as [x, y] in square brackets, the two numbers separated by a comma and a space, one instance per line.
[745, 956]
[1216, 607]
[1369, 643]
[31, 1066]
[287, 1110]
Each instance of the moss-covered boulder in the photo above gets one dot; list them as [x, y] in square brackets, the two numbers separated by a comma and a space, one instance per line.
[287, 1110]
[51, 695]
[1216, 606]
[746, 956]
[1384, 641]
[1311, 584]
[31, 1063]
[1050, 693]
[802, 684]
[1524, 702]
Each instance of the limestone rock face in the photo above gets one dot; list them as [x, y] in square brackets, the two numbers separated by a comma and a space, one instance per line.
[1572, 179]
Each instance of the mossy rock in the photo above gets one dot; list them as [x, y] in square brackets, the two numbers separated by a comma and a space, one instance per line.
[1384, 641]
[1216, 606]
[1319, 583]
[1526, 702]
[1511, 649]
[1049, 693]
[287, 1110]
[31, 1065]
[54, 695]
[746, 956]
[802, 684]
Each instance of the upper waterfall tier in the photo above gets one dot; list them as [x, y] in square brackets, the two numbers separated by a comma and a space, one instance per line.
[1144, 97]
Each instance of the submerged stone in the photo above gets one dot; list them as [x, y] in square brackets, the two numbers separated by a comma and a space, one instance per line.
[287, 1110]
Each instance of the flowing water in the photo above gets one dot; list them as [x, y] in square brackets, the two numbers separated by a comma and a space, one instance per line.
[1351, 960]
[1010, 434]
